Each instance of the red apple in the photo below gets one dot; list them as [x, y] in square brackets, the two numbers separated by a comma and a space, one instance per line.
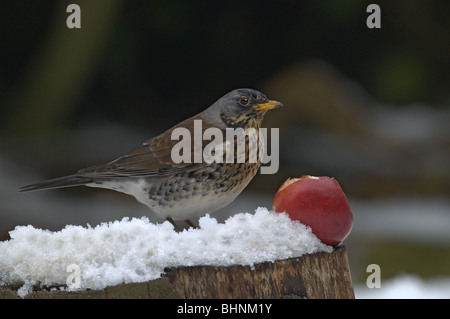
[317, 202]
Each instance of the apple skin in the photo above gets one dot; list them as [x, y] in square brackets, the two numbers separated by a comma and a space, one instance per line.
[317, 202]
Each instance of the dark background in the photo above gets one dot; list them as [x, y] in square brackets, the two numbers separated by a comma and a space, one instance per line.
[369, 107]
[150, 56]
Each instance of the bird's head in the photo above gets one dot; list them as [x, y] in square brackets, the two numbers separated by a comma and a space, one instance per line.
[240, 108]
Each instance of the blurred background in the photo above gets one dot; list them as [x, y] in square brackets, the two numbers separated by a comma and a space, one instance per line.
[370, 107]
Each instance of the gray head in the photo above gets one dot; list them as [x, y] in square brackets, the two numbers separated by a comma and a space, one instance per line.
[237, 107]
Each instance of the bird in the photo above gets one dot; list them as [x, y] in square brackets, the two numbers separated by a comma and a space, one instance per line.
[182, 190]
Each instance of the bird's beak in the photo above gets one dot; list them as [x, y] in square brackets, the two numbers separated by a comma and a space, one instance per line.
[267, 106]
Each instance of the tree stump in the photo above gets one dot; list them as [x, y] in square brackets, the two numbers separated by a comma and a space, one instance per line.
[319, 275]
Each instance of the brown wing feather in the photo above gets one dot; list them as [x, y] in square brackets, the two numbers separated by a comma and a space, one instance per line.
[152, 158]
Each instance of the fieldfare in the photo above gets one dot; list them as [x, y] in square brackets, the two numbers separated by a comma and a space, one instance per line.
[186, 186]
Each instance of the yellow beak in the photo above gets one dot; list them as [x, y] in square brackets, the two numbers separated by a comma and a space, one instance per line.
[267, 106]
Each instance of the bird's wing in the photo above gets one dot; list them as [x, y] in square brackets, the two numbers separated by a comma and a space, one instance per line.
[152, 158]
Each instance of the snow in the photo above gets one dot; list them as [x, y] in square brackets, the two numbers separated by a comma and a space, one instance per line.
[407, 286]
[136, 250]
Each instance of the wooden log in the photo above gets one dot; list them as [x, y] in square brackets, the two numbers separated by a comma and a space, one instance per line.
[320, 275]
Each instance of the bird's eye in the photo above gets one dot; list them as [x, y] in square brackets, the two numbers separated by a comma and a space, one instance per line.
[244, 101]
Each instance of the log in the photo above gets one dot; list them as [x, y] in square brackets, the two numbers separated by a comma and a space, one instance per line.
[320, 275]
[313, 276]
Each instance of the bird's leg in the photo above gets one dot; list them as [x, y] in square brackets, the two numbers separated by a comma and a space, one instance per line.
[177, 228]
[191, 224]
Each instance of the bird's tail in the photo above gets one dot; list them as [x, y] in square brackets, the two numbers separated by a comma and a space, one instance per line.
[66, 181]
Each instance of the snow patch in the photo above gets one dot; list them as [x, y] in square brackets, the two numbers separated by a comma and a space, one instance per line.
[137, 250]
[407, 286]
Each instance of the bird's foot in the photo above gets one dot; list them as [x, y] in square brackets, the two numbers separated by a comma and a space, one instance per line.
[179, 228]
[190, 223]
